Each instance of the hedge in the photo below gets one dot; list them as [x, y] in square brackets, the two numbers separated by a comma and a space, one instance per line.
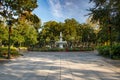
[107, 51]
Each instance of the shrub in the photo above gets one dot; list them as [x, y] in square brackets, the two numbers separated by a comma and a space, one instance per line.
[107, 51]
[58, 49]
[73, 49]
[104, 50]
[4, 52]
[115, 51]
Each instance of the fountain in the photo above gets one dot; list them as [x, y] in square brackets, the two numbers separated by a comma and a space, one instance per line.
[61, 42]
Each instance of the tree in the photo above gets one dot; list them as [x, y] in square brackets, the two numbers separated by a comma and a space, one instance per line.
[50, 32]
[11, 8]
[73, 32]
[25, 34]
[32, 19]
[88, 35]
[3, 34]
[36, 22]
[107, 13]
[70, 31]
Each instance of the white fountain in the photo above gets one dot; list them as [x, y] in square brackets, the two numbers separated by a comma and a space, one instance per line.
[61, 42]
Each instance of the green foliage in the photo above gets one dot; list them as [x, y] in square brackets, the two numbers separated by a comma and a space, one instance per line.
[73, 32]
[107, 51]
[104, 50]
[35, 21]
[24, 33]
[24, 28]
[44, 49]
[56, 49]
[11, 8]
[69, 29]
[50, 33]
[4, 52]
[3, 33]
[88, 34]
[116, 51]
[107, 14]
[80, 49]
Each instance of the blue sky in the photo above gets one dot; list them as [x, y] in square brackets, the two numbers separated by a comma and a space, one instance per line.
[59, 10]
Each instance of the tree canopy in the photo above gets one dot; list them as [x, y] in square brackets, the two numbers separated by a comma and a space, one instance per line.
[73, 32]
[107, 14]
[11, 8]
[25, 25]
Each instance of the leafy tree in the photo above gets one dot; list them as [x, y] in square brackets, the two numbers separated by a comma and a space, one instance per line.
[3, 33]
[107, 13]
[88, 35]
[16, 37]
[32, 19]
[50, 32]
[70, 26]
[27, 34]
[36, 22]
[79, 31]
[24, 26]
[73, 32]
[11, 8]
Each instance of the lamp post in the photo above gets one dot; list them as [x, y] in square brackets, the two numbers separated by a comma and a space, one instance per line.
[9, 35]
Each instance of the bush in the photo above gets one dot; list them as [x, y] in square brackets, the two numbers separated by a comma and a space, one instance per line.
[73, 49]
[46, 49]
[58, 49]
[107, 51]
[115, 51]
[4, 52]
[104, 50]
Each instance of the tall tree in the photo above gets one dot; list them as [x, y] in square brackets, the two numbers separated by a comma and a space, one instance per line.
[11, 8]
[3, 33]
[51, 30]
[32, 19]
[13, 11]
[70, 26]
[107, 13]
[25, 33]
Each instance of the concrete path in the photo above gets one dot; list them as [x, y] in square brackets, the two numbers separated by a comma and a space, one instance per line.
[58, 66]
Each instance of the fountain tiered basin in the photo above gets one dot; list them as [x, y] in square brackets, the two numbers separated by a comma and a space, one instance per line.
[61, 42]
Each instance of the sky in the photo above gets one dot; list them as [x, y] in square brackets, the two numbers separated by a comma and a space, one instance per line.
[59, 10]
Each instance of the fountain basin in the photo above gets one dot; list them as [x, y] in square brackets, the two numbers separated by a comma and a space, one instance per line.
[61, 43]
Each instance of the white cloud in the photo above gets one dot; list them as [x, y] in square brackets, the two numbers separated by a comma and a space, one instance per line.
[56, 8]
[68, 3]
[69, 8]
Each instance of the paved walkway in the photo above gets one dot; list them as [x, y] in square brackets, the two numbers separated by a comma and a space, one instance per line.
[58, 66]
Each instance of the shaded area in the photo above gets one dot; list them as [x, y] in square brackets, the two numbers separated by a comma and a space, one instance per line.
[58, 66]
